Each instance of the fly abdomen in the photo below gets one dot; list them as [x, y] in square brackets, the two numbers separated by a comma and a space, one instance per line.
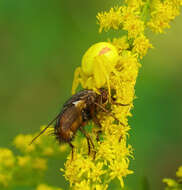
[68, 124]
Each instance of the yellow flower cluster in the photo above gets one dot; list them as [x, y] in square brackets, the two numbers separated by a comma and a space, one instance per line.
[162, 13]
[112, 19]
[174, 184]
[46, 187]
[131, 19]
[179, 172]
[44, 145]
[112, 153]
[29, 167]
[20, 169]
[114, 65]
[136, 16]
[141, 45]
[159, 14]
[121, 44]
[7, 162]
[123, 17]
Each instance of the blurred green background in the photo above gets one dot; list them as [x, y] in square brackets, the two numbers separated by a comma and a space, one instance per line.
[42, 42]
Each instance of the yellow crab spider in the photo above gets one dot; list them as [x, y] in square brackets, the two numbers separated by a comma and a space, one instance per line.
[97, 64]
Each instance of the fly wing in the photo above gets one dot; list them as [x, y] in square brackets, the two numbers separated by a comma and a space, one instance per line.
[70, 116]
[70, 121]
[78, 97]
[72, 113]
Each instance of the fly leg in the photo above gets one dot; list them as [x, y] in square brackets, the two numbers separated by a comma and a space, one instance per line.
[72, 148]
[118, 104]
[89, 140]
[107, 111]
[96, 121]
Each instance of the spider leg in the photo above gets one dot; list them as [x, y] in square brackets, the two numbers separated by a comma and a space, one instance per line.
[96, 121]
[107, 111]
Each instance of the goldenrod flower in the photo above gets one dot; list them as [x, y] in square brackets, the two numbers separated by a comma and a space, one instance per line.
[163, 12]
[23, 160]
[48, 151]
[111, 19]
[141, 45]
[170, 182]
[7, 163]
[119, 170]
[124, 17]
[111, 159]
[174, 184]
[101, 187]
[44, 146]
[29, 168]
[86, 185]
[179, 172]
[22, 142]
[7, 159]
[83, 185]
[121, 44]
[46, 187]
[132, 22]
[39, 164]
[5, 179]
[135, 3]
[82, 168]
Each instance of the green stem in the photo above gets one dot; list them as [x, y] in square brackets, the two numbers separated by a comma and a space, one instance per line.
[145, 11]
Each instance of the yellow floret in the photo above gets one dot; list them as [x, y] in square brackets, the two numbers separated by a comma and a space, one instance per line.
[141, 45]
[6, 158]
[22, 143]
[170, 182]
[23, 160]
[179, 172]
[121, 44]
[5, 179]
[39, 164]
[163, 12]
[112, 19]
[46, 187]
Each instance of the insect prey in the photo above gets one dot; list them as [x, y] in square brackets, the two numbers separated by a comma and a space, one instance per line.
[76, 113]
